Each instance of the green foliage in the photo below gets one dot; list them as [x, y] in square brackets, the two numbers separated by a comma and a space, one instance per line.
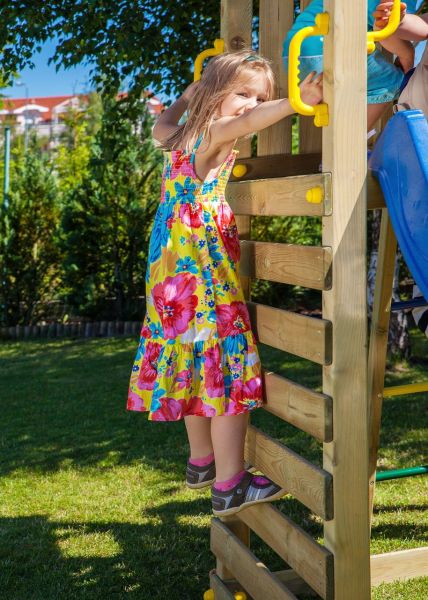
[147, 44]
[29, 256]
[107, 217]
[73, 154]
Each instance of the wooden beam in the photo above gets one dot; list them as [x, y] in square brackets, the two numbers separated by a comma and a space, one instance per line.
[252, 574]
[221, 591]
[304, 336]
[379, 341]
[281, 197]
[276, 18]
[298, 405]
[375, 198]
[308, 483]
[307, 266]
[311, 561]
[401, 565]
[281, 165]
[345, 305]
[295, 583]
[236, 25]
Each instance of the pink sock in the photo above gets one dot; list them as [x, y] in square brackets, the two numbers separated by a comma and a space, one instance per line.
[225, 486]
[202, 462]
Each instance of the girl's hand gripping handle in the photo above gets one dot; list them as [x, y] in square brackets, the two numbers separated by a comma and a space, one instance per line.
[199, 60]
[319, 111]
[381, 34]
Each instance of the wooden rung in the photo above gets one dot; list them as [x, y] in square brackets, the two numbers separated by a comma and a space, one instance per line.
[299, 477]
[307, 266]
[252, 574]
[221, 591]
[278, 165]
[308, 410]
[307, 337]
[311, 561]
[281, 197]
[404, 564]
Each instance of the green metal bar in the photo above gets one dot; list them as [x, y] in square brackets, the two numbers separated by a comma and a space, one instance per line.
[397, 473]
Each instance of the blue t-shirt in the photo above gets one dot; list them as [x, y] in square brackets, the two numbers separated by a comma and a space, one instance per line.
[313, 46]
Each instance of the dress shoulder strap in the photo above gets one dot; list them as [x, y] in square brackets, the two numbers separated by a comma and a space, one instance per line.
[195, 147]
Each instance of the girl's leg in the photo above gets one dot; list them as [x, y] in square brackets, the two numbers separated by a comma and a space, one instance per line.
[228, 438]
[199, 434]
[374, 112]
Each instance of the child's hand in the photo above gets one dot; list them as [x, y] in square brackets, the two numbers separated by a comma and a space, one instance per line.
[189, 91]
[383, 12]
[311, 89]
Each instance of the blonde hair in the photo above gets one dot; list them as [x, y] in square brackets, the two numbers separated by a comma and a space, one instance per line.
[218, 80]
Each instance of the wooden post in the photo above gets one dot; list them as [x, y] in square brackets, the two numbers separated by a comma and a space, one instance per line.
[236, 30]
[276, 18]
[310, 137]
[345, 380]
[379, 341]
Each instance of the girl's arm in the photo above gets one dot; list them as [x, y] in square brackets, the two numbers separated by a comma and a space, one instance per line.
[167, 123]
[412, 27]
[228, 129]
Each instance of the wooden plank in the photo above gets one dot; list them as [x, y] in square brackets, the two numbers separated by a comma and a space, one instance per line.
[276, 18]
[308, 483]
[281, 165]
[221, 591]
[311, 561]
[303, 336]
[401, 565]
[281, 197]
[298, 405]
[379, 341]
[252, 574]
[345, 305]
[307, 266]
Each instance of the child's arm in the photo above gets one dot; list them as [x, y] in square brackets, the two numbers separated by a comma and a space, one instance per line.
[228, 129]
[412, 27]
[167, 123]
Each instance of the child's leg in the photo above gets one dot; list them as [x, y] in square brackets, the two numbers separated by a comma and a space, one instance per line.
[374, 112]
[228, 438]
[199, 434]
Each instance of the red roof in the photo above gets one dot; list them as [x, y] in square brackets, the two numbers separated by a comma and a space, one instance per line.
[51, 102]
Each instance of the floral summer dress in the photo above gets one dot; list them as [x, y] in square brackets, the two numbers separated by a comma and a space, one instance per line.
[197, 354]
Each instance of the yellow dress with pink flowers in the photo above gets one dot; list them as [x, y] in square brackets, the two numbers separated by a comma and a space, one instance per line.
[197, 354]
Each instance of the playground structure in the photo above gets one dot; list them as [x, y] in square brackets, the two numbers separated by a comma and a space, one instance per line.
[345, 417]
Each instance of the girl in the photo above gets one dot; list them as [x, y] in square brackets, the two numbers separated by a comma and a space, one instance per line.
[197, 357]
[383, 78]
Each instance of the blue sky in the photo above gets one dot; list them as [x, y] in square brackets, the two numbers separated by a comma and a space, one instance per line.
[43, 80]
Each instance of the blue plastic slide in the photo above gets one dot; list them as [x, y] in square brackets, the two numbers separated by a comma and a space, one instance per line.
[400, 162]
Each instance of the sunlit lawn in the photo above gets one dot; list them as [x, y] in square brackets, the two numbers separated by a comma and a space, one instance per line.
[93, 504]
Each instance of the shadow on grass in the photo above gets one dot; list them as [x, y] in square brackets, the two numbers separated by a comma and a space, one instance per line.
[65, 404]
[165, 558]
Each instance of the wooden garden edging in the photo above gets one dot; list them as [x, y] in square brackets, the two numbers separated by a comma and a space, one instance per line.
[71, 330]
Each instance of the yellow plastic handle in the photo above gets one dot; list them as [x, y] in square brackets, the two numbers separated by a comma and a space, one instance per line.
[319, 111]
[199, 60]
[381, 34]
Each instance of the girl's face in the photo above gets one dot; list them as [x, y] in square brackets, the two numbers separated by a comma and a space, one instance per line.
[249, 91]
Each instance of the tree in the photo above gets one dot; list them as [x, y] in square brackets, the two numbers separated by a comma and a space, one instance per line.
[29, 257]
[107, 218]
[139, 44]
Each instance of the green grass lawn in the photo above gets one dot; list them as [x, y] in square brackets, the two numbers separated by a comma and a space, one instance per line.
[93, 504]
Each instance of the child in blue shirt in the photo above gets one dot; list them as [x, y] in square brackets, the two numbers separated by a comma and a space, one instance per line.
[383, 78]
